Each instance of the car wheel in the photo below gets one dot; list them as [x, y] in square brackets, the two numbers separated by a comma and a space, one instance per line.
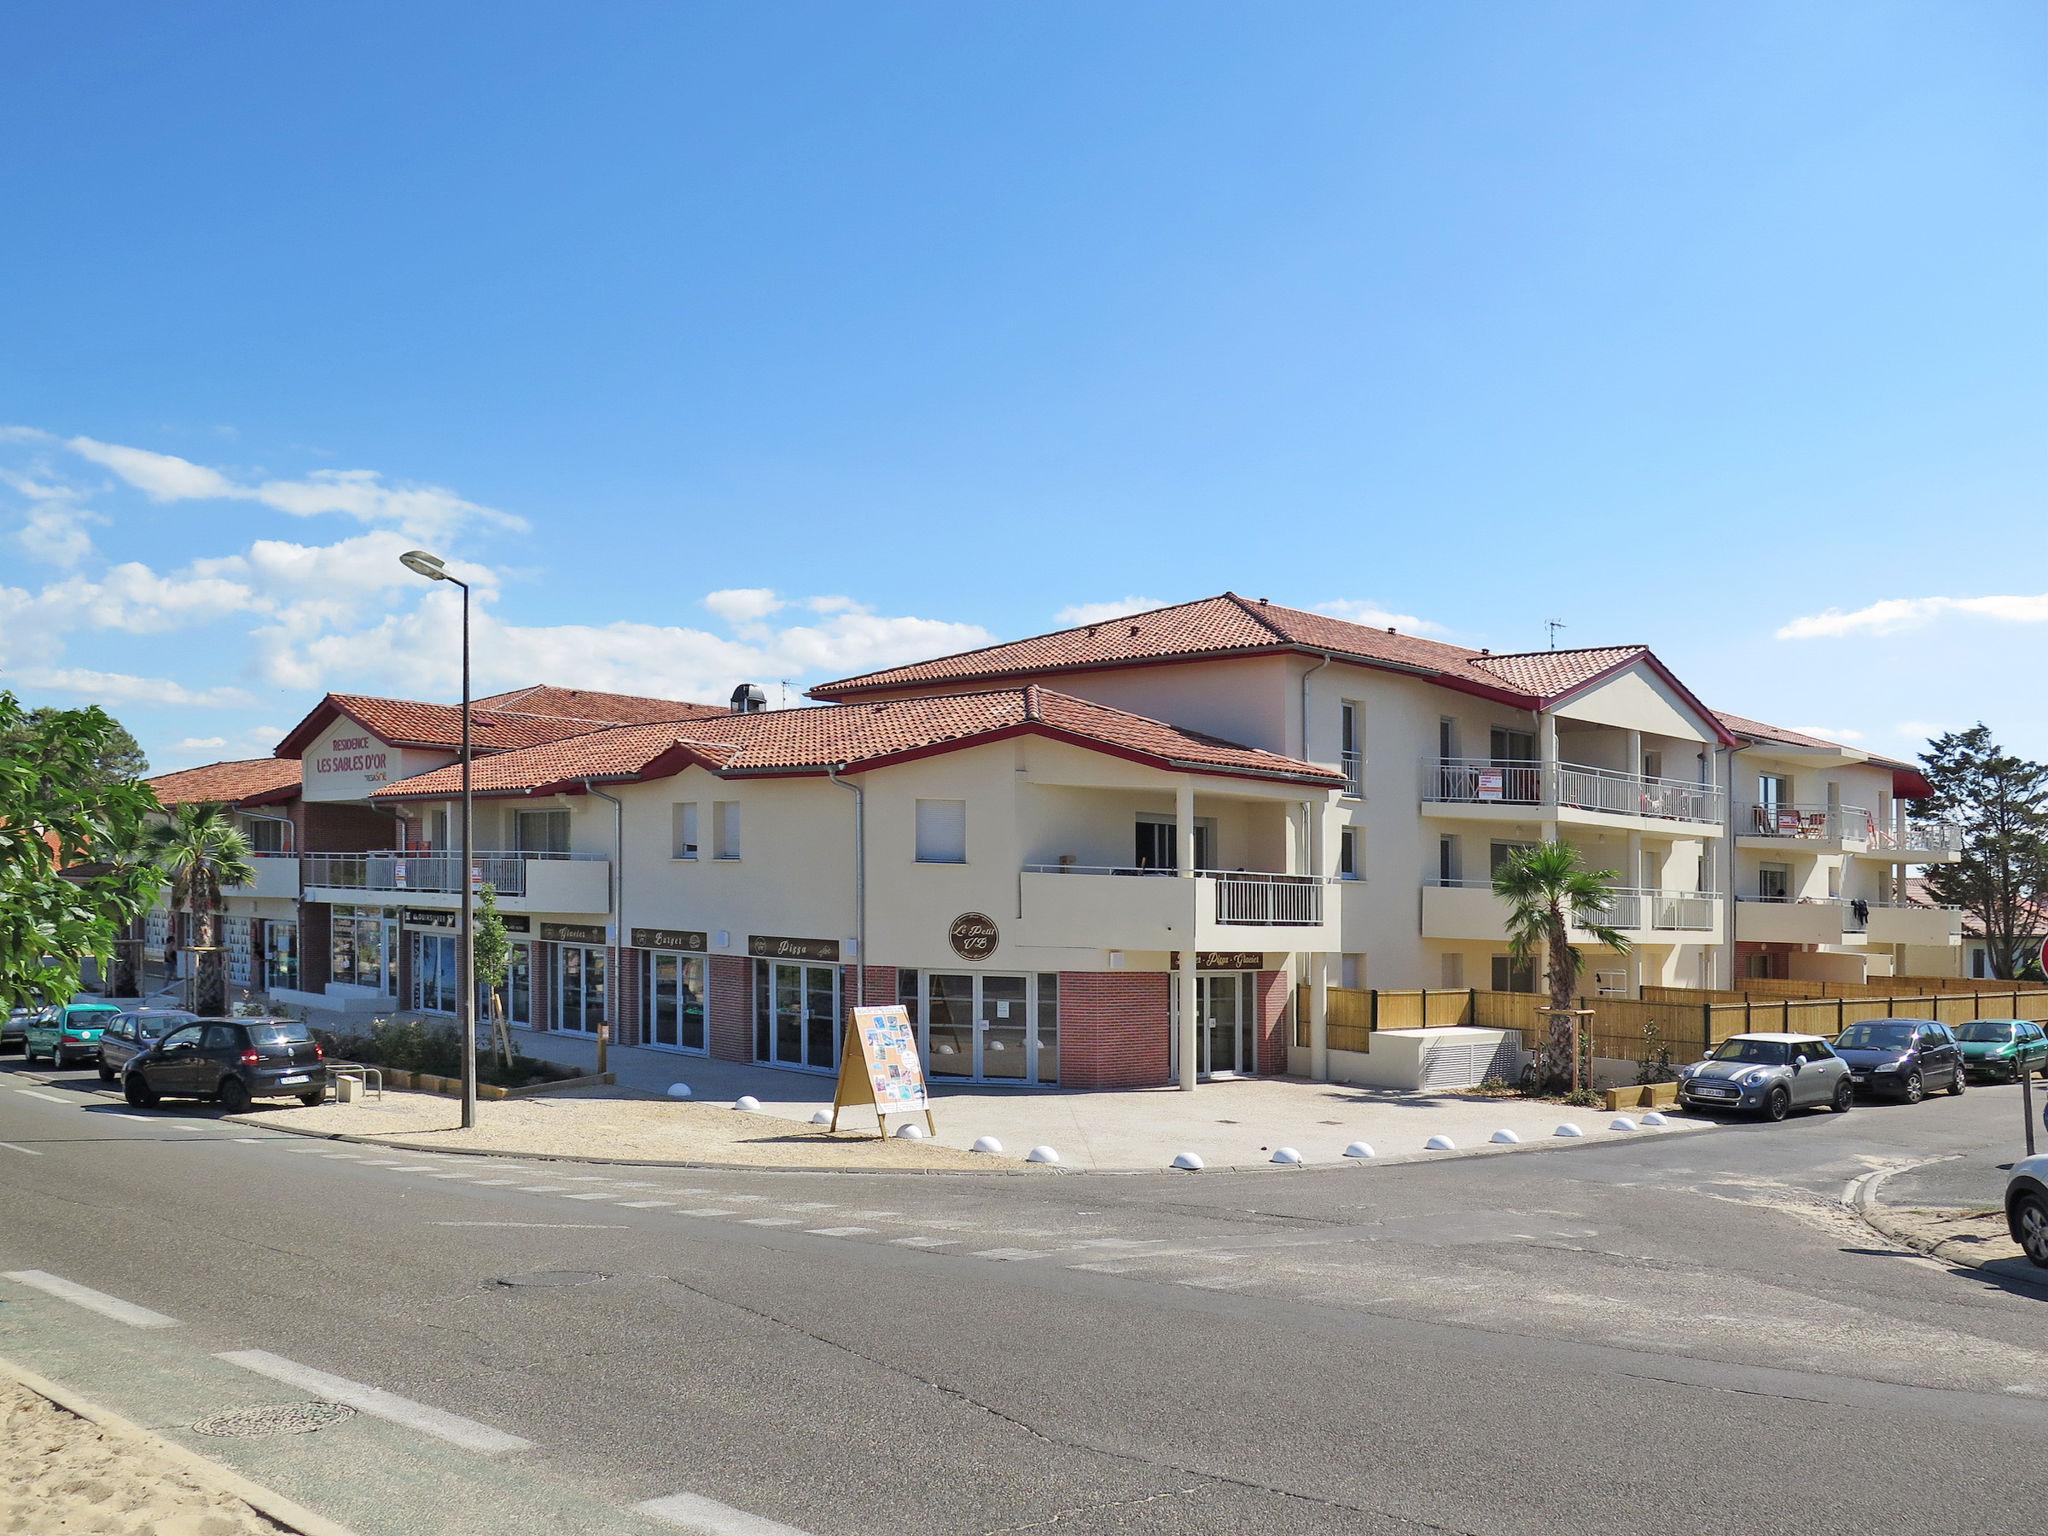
[1845, 1096]
[233, 1096]
[1777, 1103]
[2030, 1217]
[1913, 1088]
[1957, 1086]
[136, 1090]
[106, 1073]
[314, 1099]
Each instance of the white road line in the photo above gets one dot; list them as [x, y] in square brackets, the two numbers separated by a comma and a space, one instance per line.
[542, 1189]
[179, 1125]
[926, 1242]
[837, 1231]
[494, 1183]
[569, 1226]
[1009, 1254]
[593, 1194]
[30, 1151]
[1221, 1283]
[248, 1141]
[93, 1301]
[707, 1517]
[353, 1157]
[47, 1098]
[1103, 1269]
[806, 1205]
[1119, 1242]
[770, 1221]
[453, 1428]
[146, 1119]
[706, 1211]
[412, 1167]
[584, 1178]
[642, 1205]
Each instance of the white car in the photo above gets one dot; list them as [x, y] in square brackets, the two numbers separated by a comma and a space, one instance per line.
[2026, 1206]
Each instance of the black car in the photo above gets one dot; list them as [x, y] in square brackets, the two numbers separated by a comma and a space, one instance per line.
[128, 1036]
[14, 1028]
[1903, 1058]
[230, 1061]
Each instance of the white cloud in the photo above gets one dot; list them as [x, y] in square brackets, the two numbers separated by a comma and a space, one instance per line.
[126, 688]
[1894, 614]
[199, 744]
[1365, 611]
[159, 476]
[137, 600]
[743, 605]
[54, 533]
[1074, 615]
[1826, 732]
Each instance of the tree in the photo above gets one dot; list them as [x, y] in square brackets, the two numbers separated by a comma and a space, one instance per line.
[201, 850]
[117, 758]
[57, 809]
[2001, 804]
[491, 957]
[1549, 892]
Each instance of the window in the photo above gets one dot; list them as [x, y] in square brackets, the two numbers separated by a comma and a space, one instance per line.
[1348, 855]
[1157, 842]
[1497, 854]
[280, 956]
[1453, 970]
[675, 1002]
[1651, 871]
[1447, 860]
[540, 831]
[796, 1014]
[1048, 1026]
[726, 828]
[265, 836]
[1511, 746]
[1835, 881]
[906, 991]
[683, 830]
[1446, 737]
[942, 831]
[1351, 730]
[1512, 975]
[1653, 764]
[1774, 882]
[1773, 789]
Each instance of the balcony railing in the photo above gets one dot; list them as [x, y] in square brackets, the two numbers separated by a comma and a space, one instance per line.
[1354, 775]
[394, 870]
[1809, 823]
[1919, 837]
[1268, 901]
[1490, 781]
[1854, 914]
[1639, 907]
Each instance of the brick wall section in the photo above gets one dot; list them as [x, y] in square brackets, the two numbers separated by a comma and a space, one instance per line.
[732, 1008]
[541, 978]
[325, 827]
[626, 970]
[316, 945]
[1269, 1039]
[1113, 1029]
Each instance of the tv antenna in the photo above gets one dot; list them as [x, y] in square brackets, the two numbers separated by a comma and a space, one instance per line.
[1553, 625]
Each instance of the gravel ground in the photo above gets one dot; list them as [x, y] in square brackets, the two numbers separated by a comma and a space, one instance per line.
[60, 1473]
[597, 1122]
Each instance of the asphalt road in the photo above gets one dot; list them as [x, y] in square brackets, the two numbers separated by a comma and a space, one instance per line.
[1690, 1332]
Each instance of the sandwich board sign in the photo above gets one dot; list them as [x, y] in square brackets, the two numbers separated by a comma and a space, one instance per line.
[878, 1065]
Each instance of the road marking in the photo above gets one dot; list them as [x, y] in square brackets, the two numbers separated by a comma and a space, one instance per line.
[642, 1205]
[146, 1119]
[705, 1210]
[1008, 1254]
[30, 1151]
[179, 1125]
[926, 1242]
[47, 1098]
[1119, 1242]
[411, 1167]
[572, 1226]
[1221, 1282]
[353, 1157]
[770, 1221]
[583, 1178]
[494, 1183]
[248, 1141]
[543, 1189]
[462, 1174]
[707, 1517]
[593, 1194]
[806, 1205]
[836, 1231]
[453, 1428]
[1104, 1269]
[93, 1301]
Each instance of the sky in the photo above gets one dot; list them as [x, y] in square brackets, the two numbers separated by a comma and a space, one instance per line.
[723, 343]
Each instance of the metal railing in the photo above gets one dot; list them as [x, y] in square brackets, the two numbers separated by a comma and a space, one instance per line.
[1920, 837]
[1354, 774]
[1809, 823]
[1277, 901]
[1855, 913]
[1488, 781]
[1631, 906]
[395, 870]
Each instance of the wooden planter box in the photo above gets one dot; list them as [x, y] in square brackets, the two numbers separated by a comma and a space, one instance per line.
[425, 1082]
[1648, 1096]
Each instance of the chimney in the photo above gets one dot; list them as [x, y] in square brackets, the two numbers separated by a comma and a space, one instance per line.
[748, 699]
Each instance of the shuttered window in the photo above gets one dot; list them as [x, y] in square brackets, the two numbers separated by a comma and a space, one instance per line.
[942, 831]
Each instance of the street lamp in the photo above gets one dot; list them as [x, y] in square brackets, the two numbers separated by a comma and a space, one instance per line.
[420, 563]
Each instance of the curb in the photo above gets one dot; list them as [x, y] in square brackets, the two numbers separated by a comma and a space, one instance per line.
[212, 1475]
[1876, 1215]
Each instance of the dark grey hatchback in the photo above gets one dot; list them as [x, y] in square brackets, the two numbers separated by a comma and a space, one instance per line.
[230, 1061]
[1902, 1058]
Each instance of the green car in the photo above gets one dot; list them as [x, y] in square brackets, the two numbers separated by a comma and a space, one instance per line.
[69, 1032]
[2003, 1050]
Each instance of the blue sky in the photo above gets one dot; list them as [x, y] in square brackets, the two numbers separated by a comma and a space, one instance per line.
[731, 342]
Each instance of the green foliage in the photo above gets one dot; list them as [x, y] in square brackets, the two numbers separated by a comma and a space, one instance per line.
[491, 950]
[411, 1045]
[59, 808]
[117, 757]
[2001, 803]
[1583, 1098]
[1548, 893]
[201, 850]
[1654, 1065]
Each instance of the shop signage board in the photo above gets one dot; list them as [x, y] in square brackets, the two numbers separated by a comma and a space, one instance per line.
[1222, 960]
[769, 946]
[973, 935]
[422, 917]
[572, 933]
[1492, 785]
[687, 939]
[879, 1065]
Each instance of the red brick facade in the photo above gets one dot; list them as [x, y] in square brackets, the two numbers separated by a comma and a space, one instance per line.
[732, 1007]
[626, 969]
[1269, 1052]
[1113, 1029]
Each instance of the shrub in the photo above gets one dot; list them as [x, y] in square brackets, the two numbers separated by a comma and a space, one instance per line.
[1583, 1098]
[412, 1045]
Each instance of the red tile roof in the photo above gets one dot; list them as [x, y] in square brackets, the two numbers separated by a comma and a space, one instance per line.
[587, 704]
[862, 736]
[500, 723]
[1756, 730]
[244, 781]
[1230, 625]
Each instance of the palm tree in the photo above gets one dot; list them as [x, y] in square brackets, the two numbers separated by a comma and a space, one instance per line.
[201, 850]
[130, 849]
[1549, 893]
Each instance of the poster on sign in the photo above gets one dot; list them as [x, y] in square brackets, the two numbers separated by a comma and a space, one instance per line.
[1491, 783]
[879, 1065]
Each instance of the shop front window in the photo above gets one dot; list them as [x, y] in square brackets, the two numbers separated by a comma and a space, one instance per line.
[280, 956]
[796, 1014]
[675, 1002]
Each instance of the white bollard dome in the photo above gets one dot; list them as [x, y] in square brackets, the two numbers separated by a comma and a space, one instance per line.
[1287, 1155]
[1505, 1137]
[1187, 1162]
[987, 1144]
[1621, 1123]
[820, 1117]
[746, 1102]
[908, 1131]
[1041, 1155]
[679, 1090]
[1567, 1129]
[1359, 1149]
[1439, 1144]
[1653, 1118]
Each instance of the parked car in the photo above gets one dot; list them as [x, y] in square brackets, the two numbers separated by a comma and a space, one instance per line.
[68, 1032]
[230, 1061]
[134, 1032]
[2026, 1206]
[2003, 1050]
[14, 1030]
[1767, 1074]
[1903, 1058]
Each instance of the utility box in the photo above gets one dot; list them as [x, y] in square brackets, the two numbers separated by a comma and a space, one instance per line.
[347, 1089]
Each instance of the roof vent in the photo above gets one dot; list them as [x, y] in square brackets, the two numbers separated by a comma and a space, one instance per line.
[1134, 629]
[1264, 601]
[1390, 629]
[748, 699]
[1485, 650]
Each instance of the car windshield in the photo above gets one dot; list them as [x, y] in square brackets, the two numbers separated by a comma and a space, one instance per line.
[1889, 1035]
[1990, 1031]
[288, 1033]
[1762, 1053]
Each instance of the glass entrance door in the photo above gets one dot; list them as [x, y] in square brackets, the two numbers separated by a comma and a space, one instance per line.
[433, 972]
[796, 1014]
[993, 1029]
[675, 1002]
[1225, 1012]
[579, 989]
[1004, 1024]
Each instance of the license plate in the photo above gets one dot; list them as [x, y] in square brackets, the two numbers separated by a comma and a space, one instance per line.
[1859, 1077]
[296, 1077]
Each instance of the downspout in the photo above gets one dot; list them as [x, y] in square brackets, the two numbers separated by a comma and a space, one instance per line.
[1306, 831]
[615, 890]
[860, 881]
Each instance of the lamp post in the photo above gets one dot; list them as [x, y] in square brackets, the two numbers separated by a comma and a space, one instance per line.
[420, 563]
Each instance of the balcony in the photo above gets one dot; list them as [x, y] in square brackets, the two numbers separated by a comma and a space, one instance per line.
[277, 878]
[524, 881]
[1469, 910]
[1912, 923]
[1808, 920]
[1467, 786]
[1354, 775]
[1923, 842]
[1820, 828]
[1108, 907]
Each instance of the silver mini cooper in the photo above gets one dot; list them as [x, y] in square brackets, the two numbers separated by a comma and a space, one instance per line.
[1769, 1075]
